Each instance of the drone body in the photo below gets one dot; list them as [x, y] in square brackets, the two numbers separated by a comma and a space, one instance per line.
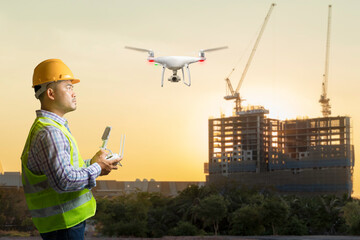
[175, 63]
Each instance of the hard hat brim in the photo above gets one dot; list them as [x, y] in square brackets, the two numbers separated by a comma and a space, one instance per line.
[74, 81]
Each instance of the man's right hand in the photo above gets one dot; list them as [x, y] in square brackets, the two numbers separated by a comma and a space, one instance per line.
[106, 165]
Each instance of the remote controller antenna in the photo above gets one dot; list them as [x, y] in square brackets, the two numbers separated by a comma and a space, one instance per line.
[105, 137]
[122, 143]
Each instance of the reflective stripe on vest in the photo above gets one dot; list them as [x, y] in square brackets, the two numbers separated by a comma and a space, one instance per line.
[51, 210]
[69, 205]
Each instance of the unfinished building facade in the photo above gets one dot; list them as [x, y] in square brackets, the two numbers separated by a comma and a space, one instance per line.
[312, 155]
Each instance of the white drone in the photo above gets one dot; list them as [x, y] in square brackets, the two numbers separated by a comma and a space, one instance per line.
[175, 63]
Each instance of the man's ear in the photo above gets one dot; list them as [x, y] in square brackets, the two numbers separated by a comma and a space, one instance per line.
[50, 93]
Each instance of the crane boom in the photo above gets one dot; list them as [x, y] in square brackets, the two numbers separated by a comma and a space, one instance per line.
[255, 47]
[235, 93]
[324, 100]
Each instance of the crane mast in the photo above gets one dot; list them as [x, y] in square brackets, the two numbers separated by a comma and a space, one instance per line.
[324, 100]
[234, 94]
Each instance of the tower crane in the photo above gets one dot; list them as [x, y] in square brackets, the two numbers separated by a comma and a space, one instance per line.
[324, 100]
[234, 94]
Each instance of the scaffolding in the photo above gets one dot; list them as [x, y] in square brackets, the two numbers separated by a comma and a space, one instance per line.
[299, 155]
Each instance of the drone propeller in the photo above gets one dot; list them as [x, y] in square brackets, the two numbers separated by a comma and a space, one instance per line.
[214, 49]
[202, 51]
[151, 52]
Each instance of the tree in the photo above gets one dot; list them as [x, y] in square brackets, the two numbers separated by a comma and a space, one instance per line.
[247, 220]
[161, 216]
[276, 212]
[352, 216]
[124, 216]
[294, 226]
[188, 200]
[212, 210]
[184, 229]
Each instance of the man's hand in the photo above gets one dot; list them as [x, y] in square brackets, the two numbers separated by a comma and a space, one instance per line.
[106, 165]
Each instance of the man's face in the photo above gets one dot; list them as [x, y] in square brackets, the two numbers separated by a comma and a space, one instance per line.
[64, 97]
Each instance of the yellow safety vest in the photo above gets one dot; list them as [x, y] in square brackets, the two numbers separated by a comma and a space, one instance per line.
[49, 209]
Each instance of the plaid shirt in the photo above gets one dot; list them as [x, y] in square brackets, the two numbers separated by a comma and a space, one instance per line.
[50, 155]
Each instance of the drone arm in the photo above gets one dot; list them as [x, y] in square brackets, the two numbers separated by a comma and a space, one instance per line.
[188, 70]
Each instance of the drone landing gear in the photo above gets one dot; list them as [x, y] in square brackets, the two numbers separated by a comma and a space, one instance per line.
[188, 70]
[162, 76]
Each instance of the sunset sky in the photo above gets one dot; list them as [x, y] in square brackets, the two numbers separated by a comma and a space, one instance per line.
[167, 128]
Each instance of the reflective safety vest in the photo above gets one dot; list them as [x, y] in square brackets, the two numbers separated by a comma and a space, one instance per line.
[49, 209]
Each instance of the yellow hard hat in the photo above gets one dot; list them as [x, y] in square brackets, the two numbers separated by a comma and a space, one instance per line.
[52, 70]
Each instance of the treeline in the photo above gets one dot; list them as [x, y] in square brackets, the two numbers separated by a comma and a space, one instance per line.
[205, 210]
[226, 211]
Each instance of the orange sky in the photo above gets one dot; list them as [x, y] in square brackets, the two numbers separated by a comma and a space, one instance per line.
[166, 128]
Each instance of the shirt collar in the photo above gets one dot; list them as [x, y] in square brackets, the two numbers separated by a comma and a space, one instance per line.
[51, 115]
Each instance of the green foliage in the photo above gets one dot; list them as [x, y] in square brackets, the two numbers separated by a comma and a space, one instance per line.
[352, 216]
[321, 214]
[184, 229]
[229, 210]
[247, 220]
[124, 215]
[160, 219]
[294, 226]
[212, 210]
[186, 203]
[275, 213]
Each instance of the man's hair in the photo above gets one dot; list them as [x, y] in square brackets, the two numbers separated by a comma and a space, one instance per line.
[37, 87]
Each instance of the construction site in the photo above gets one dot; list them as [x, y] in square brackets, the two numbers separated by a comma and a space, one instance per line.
[299, 156]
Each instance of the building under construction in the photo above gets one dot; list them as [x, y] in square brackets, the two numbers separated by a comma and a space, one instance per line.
[312, 155]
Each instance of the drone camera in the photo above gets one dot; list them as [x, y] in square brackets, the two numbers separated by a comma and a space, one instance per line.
[174, 78]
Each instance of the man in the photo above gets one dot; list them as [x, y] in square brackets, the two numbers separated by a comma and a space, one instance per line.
[56, 180]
